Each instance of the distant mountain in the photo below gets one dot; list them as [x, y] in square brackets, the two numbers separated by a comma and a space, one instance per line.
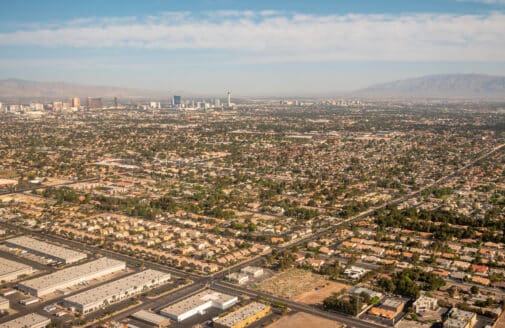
[451, 86]
[22, 89]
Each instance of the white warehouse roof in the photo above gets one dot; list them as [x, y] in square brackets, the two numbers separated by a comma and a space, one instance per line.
[71, 276]
[50, 250]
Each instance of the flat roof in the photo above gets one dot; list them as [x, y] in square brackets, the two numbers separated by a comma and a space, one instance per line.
[197, 300]
[8, 266]
[29, 320]
[103, 292]
[73, 273]
[45, 248]
[241, 314]
[150, 317]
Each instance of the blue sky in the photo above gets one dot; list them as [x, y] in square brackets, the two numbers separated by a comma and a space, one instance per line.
[258, 47]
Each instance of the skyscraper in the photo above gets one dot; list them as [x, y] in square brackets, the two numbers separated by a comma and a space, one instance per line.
[75, 102]
[177, 100]
[229, 99]
[94, 103]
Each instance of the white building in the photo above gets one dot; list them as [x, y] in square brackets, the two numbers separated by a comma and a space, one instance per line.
[238, 278]
[425, 303]
[32, 320]
[198, 303]
[252, 271]
[355, 272]
[460, 319]
[71, 276]
[115, 291]
[44, 249]
[10, 270]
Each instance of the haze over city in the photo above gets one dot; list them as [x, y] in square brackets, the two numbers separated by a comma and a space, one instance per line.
[252, 164]
[262, 48]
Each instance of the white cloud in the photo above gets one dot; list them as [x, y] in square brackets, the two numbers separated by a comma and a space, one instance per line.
[279, 37]
[487, 2]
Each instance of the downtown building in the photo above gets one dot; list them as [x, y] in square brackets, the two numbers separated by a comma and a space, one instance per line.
[71, 276]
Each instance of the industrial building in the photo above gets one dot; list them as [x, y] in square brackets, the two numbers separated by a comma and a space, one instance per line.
[115, 291]
[71, 276]
[151, 318]
[10, 270]
[198, 303]
[244, 316]
[32, 320]
[44, 249]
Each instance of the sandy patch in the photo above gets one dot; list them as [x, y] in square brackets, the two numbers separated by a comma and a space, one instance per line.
[300, 285]
[323, 291]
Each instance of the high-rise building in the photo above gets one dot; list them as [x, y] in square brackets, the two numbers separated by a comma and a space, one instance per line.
[94, 103]
[115, 102]
[229, 99]
[76, 102]
[177, 100]
[217, 102]
[57, 105]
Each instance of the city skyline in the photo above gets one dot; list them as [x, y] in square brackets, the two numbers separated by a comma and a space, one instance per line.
[255, 48]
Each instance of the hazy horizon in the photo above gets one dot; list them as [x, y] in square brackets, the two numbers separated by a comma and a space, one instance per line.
[251, 48]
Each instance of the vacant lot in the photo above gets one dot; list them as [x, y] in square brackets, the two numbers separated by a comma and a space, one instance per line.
[300, 285]
[320, 292]
[304, 320]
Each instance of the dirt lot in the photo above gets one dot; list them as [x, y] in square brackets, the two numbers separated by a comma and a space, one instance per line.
[323, 291]
[300, 285]
[304, 320]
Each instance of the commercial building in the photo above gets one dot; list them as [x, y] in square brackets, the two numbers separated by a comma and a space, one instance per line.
[44, 249]
[177, 100]
[4, 303]
[252, 271]
[32, 320]
[238, 278]
[10, 270]
[460, 319]
[425, 303]
[244, 316]
[71, 276]
[115, 291]
[93, 103]
[75, 102]
[151, 318]
[198, 303]
[355, 272]
[389, 308]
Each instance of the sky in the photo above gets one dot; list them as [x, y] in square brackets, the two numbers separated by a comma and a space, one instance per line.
[250, 47]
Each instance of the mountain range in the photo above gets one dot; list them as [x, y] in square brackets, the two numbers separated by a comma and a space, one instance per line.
[449, 86]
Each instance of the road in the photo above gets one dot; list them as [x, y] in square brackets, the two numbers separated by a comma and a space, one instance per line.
[201, 282]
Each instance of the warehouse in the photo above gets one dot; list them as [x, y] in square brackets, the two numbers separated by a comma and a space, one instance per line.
[244, 316]
[10, 270]
[115, 291]
[32, 320]
[198, 303]
[44, 249]
[71, 276]
[151, 318]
